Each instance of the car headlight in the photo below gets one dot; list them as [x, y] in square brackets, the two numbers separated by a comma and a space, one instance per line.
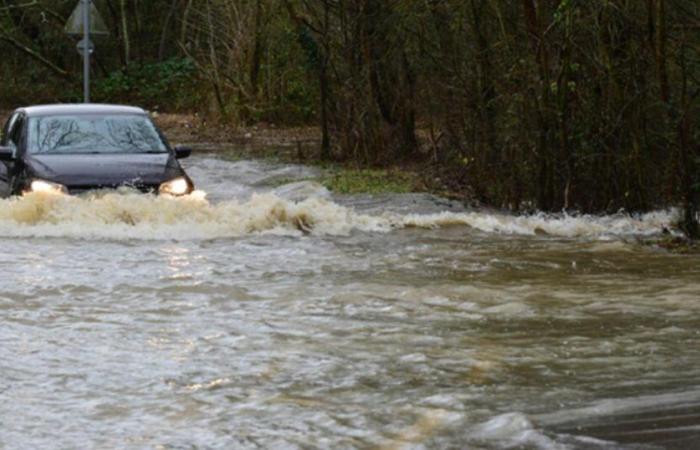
[176, 186]
[46, 187]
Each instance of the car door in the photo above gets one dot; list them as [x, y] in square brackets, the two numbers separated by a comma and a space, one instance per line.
[11, 137]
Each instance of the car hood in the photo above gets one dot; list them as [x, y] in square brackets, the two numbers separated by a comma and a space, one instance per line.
[104, 170]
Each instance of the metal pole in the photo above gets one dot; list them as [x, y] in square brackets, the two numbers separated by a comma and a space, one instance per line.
[86, 52]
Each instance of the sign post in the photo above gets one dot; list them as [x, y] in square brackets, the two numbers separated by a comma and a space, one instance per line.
[85, 22]
[86, 50]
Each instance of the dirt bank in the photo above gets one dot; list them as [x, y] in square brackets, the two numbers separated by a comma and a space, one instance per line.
[193, 129]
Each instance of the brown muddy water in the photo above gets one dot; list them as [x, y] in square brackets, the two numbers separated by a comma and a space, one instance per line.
[265, 316]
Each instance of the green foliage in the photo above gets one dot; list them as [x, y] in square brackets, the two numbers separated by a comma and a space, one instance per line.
[295, 105]
[167, 85]
[369, 181]
[360, 181]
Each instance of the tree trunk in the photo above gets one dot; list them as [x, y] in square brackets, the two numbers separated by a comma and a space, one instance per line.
[323, 79]
[164, 32]
[214, 62]
[257, 49]
[125, 34]
[533, 12]
[392, 83]
[660, 51]
[689, 157]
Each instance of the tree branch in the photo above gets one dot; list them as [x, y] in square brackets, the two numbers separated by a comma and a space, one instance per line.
[37, 56]
[25, 5]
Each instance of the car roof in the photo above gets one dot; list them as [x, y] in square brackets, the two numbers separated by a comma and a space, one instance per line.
[79, 108]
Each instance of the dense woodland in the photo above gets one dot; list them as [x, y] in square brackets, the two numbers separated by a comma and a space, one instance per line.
[582, 105]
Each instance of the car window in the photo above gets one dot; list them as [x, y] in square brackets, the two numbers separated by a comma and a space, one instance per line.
[119, 133]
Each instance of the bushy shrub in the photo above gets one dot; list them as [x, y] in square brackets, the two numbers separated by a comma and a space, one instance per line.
[170, 85]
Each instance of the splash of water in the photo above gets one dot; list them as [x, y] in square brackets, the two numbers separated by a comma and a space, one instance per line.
[564, 225]
[126, 214]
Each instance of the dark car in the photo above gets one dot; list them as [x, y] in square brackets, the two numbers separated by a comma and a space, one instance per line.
[77, 148]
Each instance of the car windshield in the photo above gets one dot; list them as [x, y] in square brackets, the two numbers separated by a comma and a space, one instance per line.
[94, 134]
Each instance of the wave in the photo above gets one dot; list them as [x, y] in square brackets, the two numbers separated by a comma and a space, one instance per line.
[126, 214]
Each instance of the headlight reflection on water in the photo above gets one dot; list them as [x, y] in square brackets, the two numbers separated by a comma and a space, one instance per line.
[178, 260]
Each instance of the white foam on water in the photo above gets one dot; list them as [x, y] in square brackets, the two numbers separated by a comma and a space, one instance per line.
[564, 225]
[127, 214]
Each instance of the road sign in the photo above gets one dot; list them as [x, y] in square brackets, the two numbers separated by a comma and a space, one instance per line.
[75, 23]
[81, 46]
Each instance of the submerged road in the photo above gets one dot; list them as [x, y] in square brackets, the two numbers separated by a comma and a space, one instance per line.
[272, 314]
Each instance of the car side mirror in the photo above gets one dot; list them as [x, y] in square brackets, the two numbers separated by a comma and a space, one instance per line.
[182, 152]
[7, 153]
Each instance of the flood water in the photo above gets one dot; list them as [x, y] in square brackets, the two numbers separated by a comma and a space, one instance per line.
[272, 314]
